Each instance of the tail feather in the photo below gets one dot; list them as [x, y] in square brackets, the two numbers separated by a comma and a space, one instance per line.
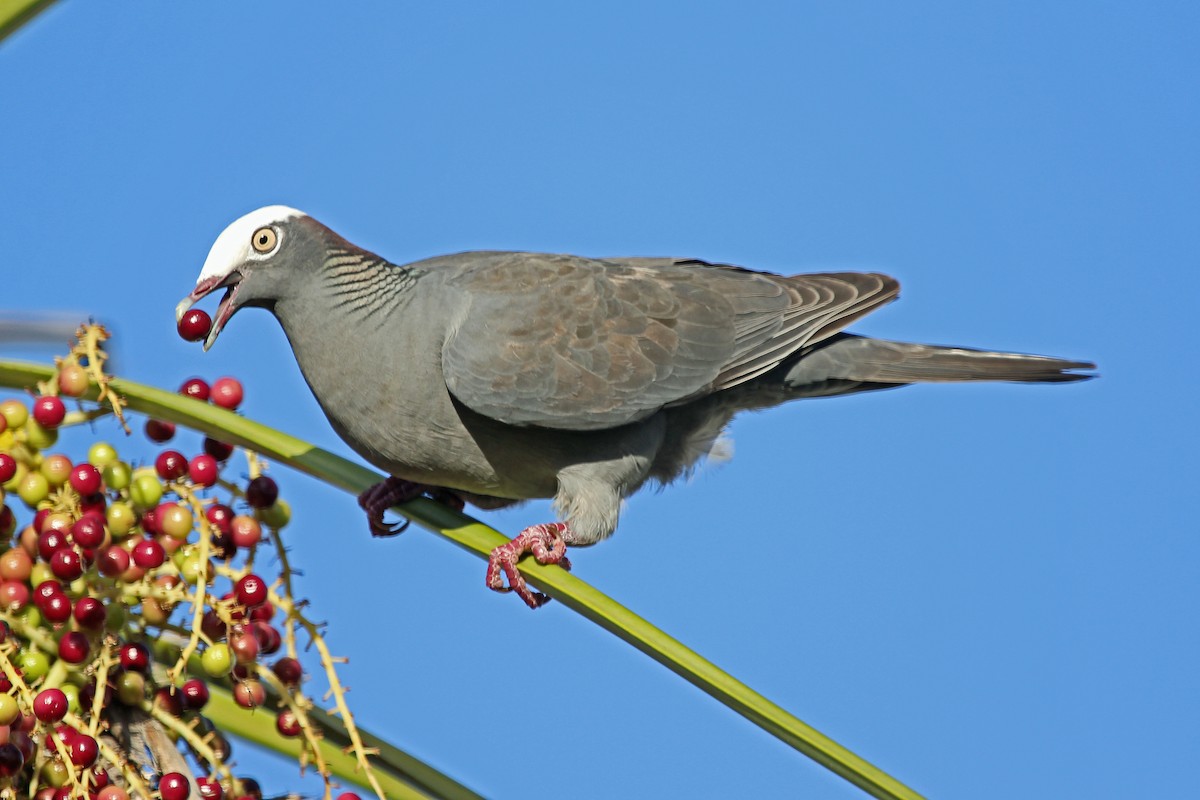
[846, 357]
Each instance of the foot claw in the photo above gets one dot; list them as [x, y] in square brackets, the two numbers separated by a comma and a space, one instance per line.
[382, 496]
[546, 544]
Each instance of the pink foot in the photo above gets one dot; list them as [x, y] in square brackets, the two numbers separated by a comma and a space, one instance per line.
[382, 496]
[547, 545]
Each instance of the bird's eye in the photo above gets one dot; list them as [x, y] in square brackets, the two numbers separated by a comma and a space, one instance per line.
[264, 240]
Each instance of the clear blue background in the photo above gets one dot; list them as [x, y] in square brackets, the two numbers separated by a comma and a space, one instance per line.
[989, 591]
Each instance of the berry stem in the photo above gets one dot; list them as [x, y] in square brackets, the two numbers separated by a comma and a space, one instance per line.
[328, 661]
[197, 598]
[285, 572]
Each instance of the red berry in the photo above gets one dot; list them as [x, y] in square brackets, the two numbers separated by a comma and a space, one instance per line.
[56, 608]
[93, 504]
[249, 694]
[85, 479]
[210, 789]
[66, 564]
[113, 561]
[269, 639]
[49, 411]
[195, 388]
[148, 554]
[50, 705]
[90, 613]
[246, 531]
[287, 724]
[348, 796]
[174, 786]
[135, 656]
[60, 733]
[14, 595]
[170, 465]
[50, 541]
[159, 431]
[212, 626]
[227, 393]
[100, 778]
[220, 515]
[261, 492]
[263, 613]
[288, 670]
[45, 590]
[243, 644]
[8, 466]
[149, 521]
[194, 325]
[195, 693]
[73, 647]
[203, 470]
[251, 591]
[218, 450]
[84, 750]
[170, 701]
[11, 760]
[88, 531]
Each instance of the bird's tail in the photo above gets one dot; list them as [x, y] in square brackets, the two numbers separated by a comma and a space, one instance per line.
[878, 363]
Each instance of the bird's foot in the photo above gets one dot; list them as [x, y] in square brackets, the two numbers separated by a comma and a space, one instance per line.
[548, 547]
[382, 496]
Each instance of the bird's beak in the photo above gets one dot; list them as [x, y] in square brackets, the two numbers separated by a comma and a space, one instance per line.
[224, 310]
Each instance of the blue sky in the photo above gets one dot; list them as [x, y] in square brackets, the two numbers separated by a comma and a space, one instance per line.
[988, 591]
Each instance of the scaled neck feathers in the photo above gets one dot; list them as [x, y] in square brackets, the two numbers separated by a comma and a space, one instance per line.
[364, 285]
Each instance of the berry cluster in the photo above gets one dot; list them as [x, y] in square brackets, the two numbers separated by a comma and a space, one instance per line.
[128, 594]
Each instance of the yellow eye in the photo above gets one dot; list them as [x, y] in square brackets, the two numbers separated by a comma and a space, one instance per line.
[264, 240]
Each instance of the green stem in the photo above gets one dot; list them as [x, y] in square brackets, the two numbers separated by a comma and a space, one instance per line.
[15, 13]
[479, 539]
[258, 726]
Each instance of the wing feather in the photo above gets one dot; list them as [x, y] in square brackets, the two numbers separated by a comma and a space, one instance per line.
[584, 344]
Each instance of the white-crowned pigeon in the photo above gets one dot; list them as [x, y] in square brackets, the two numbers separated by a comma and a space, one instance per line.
[495, 377]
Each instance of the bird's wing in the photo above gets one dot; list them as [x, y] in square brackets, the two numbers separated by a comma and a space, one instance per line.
[580, 344]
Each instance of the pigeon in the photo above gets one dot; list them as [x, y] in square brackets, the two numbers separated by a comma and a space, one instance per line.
[495, 377]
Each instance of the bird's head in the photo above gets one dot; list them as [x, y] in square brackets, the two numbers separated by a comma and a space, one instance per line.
[253, 260]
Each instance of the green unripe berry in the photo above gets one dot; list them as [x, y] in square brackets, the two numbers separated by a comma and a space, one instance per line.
[15, 480]
[30, 616]
[120, 518]
[193, 570]
[116, 474]
[276, 515]
[14, 412]
[55, 773]
[145, 491]
[101, 454]
[131, 688]
[34, 489]
[72, 693]
[9, 710]
[40, 573]
[33, 664]
[38, 437]
[217, 661]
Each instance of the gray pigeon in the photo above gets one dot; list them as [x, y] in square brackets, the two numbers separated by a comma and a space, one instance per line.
[495, 377]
